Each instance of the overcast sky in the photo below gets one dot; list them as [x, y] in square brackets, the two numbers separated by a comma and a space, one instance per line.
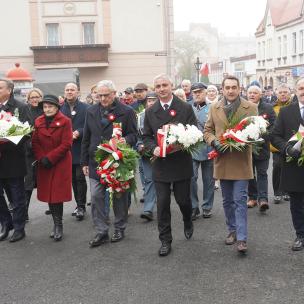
[231, 17]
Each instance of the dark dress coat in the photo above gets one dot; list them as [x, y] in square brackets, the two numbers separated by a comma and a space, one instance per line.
[78, 120]
[12, 157]
[176, 166]
[54, 185]
[98, 128]
[286, 125]
[266, 110]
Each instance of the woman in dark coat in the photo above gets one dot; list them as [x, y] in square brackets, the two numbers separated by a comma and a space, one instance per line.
[52, 142]
[34, 100]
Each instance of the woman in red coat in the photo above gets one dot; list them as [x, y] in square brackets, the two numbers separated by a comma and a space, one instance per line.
[52, 142]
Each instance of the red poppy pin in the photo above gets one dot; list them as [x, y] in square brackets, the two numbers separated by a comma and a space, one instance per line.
[265, 116]
[111, 117]
[172, 113]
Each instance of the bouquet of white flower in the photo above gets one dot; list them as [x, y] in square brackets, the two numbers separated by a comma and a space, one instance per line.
[12, 129]
[172, 138]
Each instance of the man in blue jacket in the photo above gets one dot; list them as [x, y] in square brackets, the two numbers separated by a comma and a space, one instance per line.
[200, 157]
[76, 111]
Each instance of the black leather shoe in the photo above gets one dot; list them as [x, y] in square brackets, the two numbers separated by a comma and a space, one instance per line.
[80, 214]
[117, 236]
[188, 230]
[147, 216]
[164, 249]
[99, 239]
[17, 236]
[298, 244]
[5, 229]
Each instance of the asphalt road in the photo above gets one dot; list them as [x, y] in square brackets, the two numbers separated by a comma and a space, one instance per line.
[200, 270]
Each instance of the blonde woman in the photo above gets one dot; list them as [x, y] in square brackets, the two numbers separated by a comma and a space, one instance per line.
[212, 94]
[180, 93]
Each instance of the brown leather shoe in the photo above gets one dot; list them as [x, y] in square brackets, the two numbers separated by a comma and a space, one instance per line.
[252, 203]
[231, 238]
[263, 206]
[241, 246]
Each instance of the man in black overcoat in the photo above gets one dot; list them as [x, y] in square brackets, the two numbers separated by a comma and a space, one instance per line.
[258, 186]
[12, 168]
[97, 128]
[176, 168]
[76, 111]
[288, 122]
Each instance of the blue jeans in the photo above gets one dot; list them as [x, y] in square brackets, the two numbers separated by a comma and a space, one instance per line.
[149, 188]
[234, 194]
[141, 173]
[208, 184]
[258, 186]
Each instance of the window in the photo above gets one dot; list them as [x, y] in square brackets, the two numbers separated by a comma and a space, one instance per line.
[284, 52]
[279, 47]
[294, 43]
[264, 50]
[88, 33]
[269, 49]
[52, 32]
[301, 42]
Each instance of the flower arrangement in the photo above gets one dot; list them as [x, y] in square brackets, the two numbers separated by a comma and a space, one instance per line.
[241, 134]
[299, 145]
[116, 164]
[11, 128]
[173, 137]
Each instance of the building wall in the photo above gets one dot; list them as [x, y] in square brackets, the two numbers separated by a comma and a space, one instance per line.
[273, 64]
[15, 39]
[126, 69]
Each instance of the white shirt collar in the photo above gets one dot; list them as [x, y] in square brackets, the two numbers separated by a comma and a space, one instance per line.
[301, 106]
[4, 103]
[168, 103]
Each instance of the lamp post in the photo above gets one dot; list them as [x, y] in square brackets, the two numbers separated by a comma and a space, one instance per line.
[198, 65]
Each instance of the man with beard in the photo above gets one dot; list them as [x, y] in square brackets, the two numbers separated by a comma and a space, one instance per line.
[233, 169]
[289, 120]
[97, 128]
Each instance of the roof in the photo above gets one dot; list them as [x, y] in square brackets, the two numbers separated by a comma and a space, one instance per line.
[18, 74]
[282, 12]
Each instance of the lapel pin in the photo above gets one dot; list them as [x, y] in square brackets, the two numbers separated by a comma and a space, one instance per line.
[172, 113]
[73, 113]
[111, 117]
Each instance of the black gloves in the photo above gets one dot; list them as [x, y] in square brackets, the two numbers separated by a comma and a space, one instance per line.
[292, 152]
[217, 146]
[44, 161]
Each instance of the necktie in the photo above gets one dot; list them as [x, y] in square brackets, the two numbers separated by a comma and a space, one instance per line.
[166, 107]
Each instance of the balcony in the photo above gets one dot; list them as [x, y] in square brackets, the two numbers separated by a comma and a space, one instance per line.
[70, 56]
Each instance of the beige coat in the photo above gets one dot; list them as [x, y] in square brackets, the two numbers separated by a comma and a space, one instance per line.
[229, 165]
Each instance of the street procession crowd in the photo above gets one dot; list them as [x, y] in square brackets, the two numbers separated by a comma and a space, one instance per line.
[59, 156]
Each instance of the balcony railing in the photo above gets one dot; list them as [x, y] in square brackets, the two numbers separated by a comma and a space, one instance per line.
[71, 55]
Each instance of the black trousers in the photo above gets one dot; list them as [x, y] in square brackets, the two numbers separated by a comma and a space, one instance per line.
[297, 212]
[79, 184]
[276, 173]
[14, 188]
[181, 191]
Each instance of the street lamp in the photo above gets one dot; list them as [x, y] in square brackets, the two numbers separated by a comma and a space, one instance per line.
[198, 66]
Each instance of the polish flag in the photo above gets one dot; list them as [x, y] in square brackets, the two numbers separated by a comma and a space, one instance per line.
[204, 71]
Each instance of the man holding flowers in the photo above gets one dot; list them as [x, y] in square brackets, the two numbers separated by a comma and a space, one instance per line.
[98, 127]
[233, 167]
[291, 146]
[174, 169]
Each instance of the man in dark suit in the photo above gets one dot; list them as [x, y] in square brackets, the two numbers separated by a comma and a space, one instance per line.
[258, 186]
[175, 168]
[269, 96]
[76, 111]
[288, 122]
[12, 169]
[97, 128]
